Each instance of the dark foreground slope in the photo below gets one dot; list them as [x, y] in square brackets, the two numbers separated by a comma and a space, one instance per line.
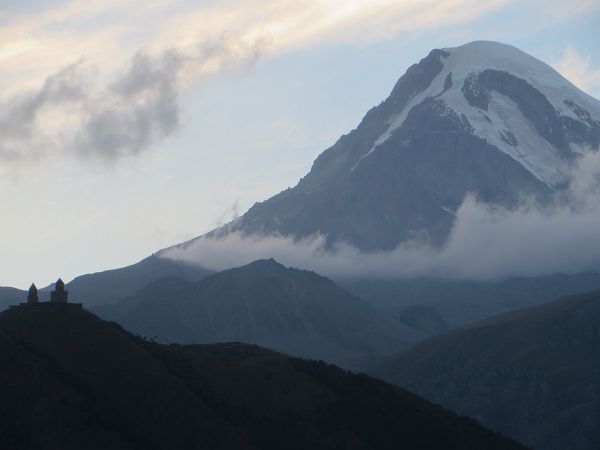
[265, 303]
[69, 380]
[533, 374]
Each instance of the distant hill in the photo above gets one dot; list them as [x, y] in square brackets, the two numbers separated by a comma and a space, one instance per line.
[424, 318]
[111, 286]
[72, 381]
[463, 302]
[458, 302]
[114, 285]
[265, 303]
[11, 296]
[532, 374]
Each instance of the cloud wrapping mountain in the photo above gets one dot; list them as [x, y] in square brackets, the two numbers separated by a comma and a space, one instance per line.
[482, 164]
[487, 242]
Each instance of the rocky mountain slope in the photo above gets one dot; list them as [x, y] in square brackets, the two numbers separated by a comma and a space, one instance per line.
[482, 118]
[72, 381]
[532, 374]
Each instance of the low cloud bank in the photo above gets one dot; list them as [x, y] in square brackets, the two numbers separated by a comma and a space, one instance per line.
[486, 243]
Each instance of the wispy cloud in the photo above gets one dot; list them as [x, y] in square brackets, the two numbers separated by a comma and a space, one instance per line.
[80, 79]
[578, 69]
[104, 77]
[73, 112]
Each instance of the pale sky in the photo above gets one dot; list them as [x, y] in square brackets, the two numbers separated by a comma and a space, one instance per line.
[127, 126]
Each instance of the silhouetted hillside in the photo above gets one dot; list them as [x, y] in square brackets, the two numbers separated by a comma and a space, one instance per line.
[72, 381]
[532, 374]
[265, 303]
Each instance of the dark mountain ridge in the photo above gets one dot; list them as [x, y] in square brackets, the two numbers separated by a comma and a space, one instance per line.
[462, 301]
[114, 285]
[70, 380]
[265, 303]
[533, 374]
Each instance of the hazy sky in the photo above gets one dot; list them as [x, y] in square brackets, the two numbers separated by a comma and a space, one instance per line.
[129, 126]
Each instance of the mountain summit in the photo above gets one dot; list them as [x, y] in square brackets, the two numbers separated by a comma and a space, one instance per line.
[482, 118]
[289, 310]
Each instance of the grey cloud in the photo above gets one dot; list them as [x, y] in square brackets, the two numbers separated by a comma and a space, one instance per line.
[144, 109]
[20, 113]
[73, 113]
[146, 73]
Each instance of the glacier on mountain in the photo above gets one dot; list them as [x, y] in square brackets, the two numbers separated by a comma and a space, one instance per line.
[503, 116]
[483, 119]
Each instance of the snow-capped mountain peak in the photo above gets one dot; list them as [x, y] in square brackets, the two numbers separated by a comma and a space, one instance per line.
[482, 118]
[500, 120]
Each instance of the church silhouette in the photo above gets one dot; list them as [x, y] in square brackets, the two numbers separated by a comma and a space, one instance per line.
[58, 296]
